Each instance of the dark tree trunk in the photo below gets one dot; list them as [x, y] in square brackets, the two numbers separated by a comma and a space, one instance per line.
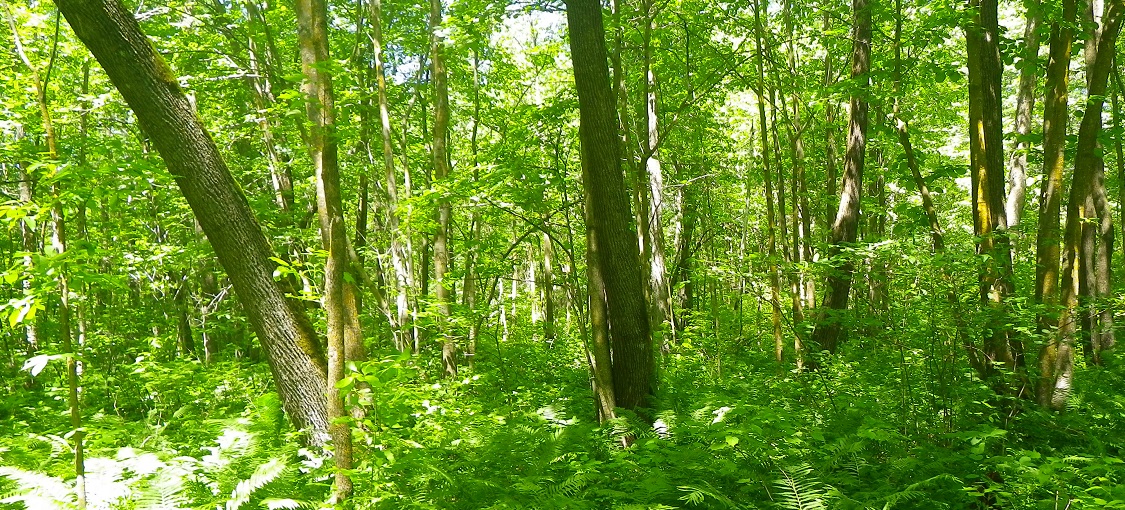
[828, 332]
[150, 88]
[618, 255]
[986, 149]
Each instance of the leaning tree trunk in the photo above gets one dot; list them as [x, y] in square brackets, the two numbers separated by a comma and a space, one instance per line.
[827, 334]
[617, 253]
[150, 88]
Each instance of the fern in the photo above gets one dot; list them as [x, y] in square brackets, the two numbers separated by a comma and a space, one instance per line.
[266, 473]
[696, 495]
[800, 490]
[38, 491]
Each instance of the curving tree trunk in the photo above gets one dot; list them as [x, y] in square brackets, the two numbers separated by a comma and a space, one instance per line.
[828, 332]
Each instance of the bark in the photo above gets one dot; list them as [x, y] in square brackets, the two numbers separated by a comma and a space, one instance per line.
[1055, 119]
[547, 273]
[184, 336]
[261, 90]
[146, 82]
[902, 129]
[1056, 361]
[1025, 104]
[659, 299]
[339, 303]
[829, 143]
[684, 256]
[469, 292]
[441, 172]
[617, 254]
[771, 255]
[600, 357]
[41, 78]
[400, 258]
[828, 332]
[987, 173]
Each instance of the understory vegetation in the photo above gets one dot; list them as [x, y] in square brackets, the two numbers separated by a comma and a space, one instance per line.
[897, 421]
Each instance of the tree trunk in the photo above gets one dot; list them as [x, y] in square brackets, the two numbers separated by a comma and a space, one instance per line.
[987, 159]
[42, 78]
[771, 254]
[828, 332]
[1055, 119]
[618, 257]
[1025, 104]
[146, 82]
[601, 357]
[441, 173]
[1056, 360]
[339, 306]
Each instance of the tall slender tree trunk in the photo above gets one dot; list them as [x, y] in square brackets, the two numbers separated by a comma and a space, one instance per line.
[400, 258]
[41, 77]
[601, 357]
[902, 129]
[1025, 104]
[1056, 361]
[261, 90]
[829, 331]
[771, 243]
[469, 292]
[444, 293]
[1055, 119]
[312, 32]
[1118, 147]
[603, 180]
[146, 82]
[660, 302]
[987, 168]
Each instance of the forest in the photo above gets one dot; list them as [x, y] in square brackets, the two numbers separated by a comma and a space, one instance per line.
[636, 254]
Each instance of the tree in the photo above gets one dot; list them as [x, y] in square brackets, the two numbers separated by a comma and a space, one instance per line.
[1025, 104]
[342, 315]
[986, 154]
[617, 254]
[441, 174]
[1056, 361]
[1055, 118]
[151, 89]
[827, 334]
[41, 78]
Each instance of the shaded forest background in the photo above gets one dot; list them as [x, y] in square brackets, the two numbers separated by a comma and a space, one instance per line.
[283, 255]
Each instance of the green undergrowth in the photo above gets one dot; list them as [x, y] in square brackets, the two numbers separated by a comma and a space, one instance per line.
[729, 430]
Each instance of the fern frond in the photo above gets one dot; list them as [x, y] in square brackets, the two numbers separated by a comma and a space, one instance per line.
[266, 473]
[285, 504]
[696, 495]
[38, 491]
[800, 490]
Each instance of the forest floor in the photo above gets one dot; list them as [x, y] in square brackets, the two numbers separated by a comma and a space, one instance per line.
[731, 430]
